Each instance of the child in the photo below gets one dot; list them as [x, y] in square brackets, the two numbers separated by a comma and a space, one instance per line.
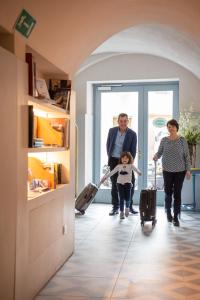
[124, 185]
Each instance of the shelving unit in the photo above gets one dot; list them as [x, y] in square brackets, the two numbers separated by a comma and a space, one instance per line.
[39, 230]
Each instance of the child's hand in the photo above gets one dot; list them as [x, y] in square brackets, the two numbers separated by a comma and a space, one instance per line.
[103, 179]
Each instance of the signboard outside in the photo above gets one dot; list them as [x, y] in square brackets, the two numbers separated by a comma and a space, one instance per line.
[159, 122]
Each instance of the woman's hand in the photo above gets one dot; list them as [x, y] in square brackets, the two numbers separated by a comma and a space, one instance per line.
[155, 158]
[139, 173]
[188, 175]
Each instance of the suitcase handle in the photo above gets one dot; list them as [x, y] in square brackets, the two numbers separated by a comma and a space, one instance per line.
[108, 171]
[155, 163]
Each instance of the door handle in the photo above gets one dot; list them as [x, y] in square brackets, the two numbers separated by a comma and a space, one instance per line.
[139, 154]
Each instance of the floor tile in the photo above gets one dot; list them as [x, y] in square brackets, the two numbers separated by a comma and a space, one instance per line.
[130, 289]
[116, 259]
[79, 287]
[89, 269]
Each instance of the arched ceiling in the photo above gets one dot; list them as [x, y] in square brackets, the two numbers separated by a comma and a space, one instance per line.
[153, 39]
[68, 31]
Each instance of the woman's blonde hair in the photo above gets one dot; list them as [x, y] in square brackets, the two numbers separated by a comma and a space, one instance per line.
[127, 154]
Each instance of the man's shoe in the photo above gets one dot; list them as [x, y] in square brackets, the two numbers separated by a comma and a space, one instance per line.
[169, 215]
[121, 215]
[133, 211]
[169, 218]
[176, 222]
[113, 212]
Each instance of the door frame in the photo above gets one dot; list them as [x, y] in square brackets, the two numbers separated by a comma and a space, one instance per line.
[142, 88]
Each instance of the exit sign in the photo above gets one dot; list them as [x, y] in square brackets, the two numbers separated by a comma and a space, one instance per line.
[25, 23]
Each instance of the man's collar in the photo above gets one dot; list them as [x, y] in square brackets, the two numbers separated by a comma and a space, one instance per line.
[123, 131]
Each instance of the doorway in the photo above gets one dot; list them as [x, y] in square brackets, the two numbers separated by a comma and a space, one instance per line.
[149, 107]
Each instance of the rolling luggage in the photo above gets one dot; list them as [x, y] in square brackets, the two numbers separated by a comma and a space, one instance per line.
[86, 197]
[148, 204]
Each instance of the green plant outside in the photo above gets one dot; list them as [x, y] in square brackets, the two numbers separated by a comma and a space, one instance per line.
[190, 127]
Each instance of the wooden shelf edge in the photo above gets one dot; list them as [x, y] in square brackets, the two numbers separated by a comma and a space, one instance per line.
[46, 149]
[38, 196]
[47, 106]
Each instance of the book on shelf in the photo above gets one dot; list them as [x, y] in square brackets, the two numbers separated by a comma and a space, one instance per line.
[31, 74]
[30, 126]
[38, 142]
[60, 92]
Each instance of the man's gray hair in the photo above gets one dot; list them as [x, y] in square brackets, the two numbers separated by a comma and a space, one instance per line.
[122, 115]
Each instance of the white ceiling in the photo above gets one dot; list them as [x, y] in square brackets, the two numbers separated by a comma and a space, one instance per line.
[153, 39]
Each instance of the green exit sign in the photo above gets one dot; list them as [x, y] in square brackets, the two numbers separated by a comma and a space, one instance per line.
[25, 23]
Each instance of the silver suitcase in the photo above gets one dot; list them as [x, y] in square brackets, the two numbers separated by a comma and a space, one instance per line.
[86, 197]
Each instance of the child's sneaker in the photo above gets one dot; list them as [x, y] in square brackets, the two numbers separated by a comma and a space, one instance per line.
[121, 215]
[126, 211]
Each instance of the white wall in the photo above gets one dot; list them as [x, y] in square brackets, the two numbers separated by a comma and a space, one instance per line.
[127, 67]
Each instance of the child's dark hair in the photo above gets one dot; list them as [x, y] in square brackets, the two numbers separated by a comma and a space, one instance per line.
[173, 122]
[128, 154]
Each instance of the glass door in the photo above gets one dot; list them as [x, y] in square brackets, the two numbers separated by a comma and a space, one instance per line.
[110, 102]
[161, 105]
[149, 107]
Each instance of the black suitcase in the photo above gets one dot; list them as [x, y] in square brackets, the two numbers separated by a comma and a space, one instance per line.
[86, 197]
[148, 204]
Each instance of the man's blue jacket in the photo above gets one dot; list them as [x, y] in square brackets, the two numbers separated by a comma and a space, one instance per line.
[130, 141]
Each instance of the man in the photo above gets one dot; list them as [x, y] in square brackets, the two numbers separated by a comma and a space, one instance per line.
[120, 138]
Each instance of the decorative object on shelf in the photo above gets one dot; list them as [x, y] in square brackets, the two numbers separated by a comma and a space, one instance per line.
[60, 92]
[42, 90]
[52, 132]
[189, 122]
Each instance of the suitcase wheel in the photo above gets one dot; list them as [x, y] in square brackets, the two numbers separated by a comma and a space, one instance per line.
[82, 212]
[142, 223]
[154, 222]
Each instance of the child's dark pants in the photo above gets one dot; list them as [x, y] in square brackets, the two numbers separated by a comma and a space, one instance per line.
[124, 191]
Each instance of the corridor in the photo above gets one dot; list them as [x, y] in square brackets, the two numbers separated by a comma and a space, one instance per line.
[115, 259]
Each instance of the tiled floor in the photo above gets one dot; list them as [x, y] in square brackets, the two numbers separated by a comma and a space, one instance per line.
[116, 259]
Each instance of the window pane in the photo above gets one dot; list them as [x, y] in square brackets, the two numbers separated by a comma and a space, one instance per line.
[112, 104]
[160, 110]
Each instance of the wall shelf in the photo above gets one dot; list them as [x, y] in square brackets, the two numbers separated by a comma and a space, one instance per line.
[46, 149]
[34, 195]
[48, 107]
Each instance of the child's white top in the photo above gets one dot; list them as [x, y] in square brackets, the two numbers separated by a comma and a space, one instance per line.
[124, 173]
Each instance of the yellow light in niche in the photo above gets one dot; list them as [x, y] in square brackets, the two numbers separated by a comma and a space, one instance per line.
[40, 113]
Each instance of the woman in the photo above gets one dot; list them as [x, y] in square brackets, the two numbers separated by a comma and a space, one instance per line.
[176, 165]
